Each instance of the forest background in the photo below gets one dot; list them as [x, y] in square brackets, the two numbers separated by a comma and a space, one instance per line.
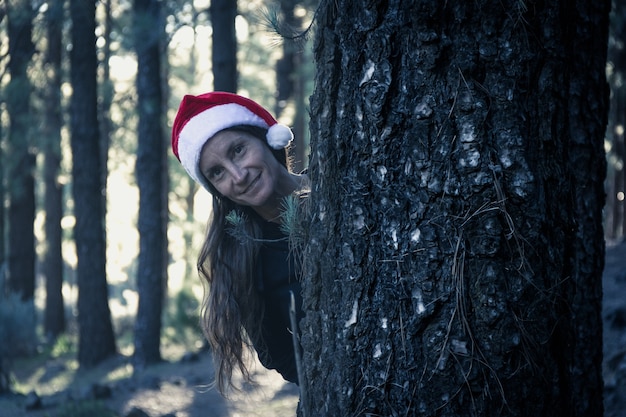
[111, 77]
[276, 72]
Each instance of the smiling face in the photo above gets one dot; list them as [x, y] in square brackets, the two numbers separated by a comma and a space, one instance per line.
[242, 169]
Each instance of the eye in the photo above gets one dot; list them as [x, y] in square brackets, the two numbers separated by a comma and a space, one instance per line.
[238, 149]
[215, 173]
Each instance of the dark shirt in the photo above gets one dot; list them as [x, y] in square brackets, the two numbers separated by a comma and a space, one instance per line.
[278, 274]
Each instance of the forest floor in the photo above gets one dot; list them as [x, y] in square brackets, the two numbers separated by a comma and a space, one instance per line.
[179, 387]
[176, 388]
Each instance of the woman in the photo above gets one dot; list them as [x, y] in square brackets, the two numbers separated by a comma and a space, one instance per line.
[235, 149]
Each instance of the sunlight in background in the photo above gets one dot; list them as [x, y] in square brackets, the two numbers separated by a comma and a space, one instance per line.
[125, 70]
[122, 235]
[201, 4]
[242, 29]
[202, 204]
[257, 53]
[185, 42]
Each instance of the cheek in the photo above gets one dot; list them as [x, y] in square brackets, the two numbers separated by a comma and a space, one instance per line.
[275, 167]
[220, 188]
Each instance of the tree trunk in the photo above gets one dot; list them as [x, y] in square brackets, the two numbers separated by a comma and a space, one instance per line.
[21, 164]
[107, 91]
[96, 339]
[5, 377]
[185, 181]
[286, 65]
[224, 41]
[3, 195]
[456, 249]
[52, 265]
[149, 172]
[289, 82]
[616, 217]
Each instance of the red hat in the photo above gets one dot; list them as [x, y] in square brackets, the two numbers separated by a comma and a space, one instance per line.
[200, 117]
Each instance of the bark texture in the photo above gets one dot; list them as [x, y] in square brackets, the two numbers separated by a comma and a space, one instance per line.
[456, 248]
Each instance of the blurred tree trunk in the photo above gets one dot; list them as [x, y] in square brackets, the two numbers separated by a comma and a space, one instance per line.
[107, 90]
[286, 65]
[96, 338]
[5, 377]
[289, 80]
[190, 186]
[616, 215]
[52, 265]
[152, 222]
[3, 258]
[616, 202]
[224, 45]
[21, 163]
[456, 253]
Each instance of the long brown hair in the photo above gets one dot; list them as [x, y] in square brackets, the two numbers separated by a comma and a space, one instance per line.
[232, 309]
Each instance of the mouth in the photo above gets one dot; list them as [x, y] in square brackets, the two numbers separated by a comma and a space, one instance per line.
[251, 185]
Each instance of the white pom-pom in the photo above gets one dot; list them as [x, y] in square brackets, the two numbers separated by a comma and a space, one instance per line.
[279, 136]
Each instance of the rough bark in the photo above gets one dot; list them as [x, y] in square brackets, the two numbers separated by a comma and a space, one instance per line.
[96, 339]
[149, 173]
[456, 245]
[52, 265]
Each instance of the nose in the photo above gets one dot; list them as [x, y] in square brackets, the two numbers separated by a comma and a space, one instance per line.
[238, 174]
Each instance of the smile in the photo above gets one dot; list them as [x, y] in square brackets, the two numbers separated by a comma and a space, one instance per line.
[251, 185]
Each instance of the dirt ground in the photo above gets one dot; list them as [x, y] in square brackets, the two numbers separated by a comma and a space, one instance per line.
[180, 388]
[173, 389]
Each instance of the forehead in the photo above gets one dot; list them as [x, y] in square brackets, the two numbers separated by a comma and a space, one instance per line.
[220, 145]
[220, 142]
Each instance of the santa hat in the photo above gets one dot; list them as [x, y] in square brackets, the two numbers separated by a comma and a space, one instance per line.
[200, 117]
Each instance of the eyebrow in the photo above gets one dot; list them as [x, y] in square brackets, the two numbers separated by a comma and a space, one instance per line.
[238, 140]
